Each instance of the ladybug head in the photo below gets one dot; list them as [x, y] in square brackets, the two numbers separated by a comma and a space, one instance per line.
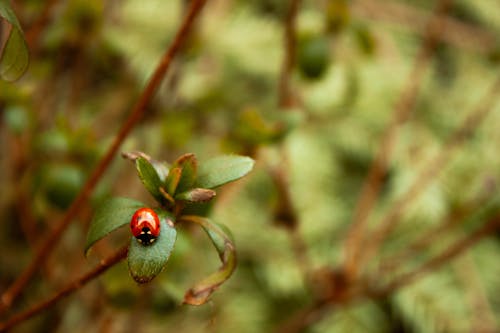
[145, 226]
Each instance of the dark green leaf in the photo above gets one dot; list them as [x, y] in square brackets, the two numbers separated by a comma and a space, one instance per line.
[223, 169]
[189, 165]
[147, 261]
[111, 215]
[200, 293]
[160, 167]
[14, 57]
[149, 177]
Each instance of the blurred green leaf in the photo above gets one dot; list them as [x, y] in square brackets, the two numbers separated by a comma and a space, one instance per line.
[111, 215]
[14, 57]
[313, 57]
[147, 261]
[200, 293]
[17, 119]
[149, 177]
[223, 169]
[62, 183]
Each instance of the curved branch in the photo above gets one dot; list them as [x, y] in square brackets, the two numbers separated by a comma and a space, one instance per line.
[73, 286]
[139, 109]
[444, 257]
[402, 109]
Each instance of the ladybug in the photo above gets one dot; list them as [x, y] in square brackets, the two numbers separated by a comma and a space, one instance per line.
[145, 226]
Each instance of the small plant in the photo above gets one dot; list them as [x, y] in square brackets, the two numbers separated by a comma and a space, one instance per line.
[177, 189]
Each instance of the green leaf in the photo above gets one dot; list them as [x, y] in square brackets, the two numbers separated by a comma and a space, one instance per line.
[200, 293]
[189, 166]
[149, 177]
[147, 261]
[223, 169]
[172, 181]
[111, 215]
[14, 55]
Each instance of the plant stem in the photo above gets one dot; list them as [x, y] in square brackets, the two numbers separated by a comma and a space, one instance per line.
[139, 109]
[455, 32]
[451, 252]
[286, 98]
[402, 109]
[73, 286]
[428, 174]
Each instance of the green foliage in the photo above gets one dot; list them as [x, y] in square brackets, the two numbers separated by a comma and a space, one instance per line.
[221, 170]
[200, 293]
[149, 177]
[111, 215]
[14, 56]
[17, 119]
[91, 61]
[189, 166]
[145, 262]
[313, 56]
[61, 184]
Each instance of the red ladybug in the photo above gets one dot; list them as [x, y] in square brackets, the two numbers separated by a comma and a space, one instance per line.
[145, 226]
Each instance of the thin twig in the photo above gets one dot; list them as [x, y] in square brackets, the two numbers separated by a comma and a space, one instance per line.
[455, 32]
[373, 182]
[286, 98]
[33, 33]
[428, 174]
[450, 253]
[73, 286]
[49, 242]
[429, 237]
[482, 316]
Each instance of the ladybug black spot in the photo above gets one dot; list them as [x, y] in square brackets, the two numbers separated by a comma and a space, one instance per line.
[146, 237]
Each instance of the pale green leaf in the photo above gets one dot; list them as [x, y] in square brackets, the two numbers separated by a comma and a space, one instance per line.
[223, 169]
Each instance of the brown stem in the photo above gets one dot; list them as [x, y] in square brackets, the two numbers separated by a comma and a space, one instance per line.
[451, 252]
[49, 242]
[428, 238]
[403, 107]
[428, 174]
[33, 33]
[482, 316]
[70, 288]
[455, 32]
[286, 98]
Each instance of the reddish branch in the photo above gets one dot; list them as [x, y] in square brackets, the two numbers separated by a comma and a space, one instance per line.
[450, 253]
[454, 32]
[286, 98]
[49, 242]
[305, 317]
[33, 33]
[403, 107]
[103, 266]
[429, 237]
[433, 168]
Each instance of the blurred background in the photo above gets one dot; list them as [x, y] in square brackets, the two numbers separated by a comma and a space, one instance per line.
[90, 61]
